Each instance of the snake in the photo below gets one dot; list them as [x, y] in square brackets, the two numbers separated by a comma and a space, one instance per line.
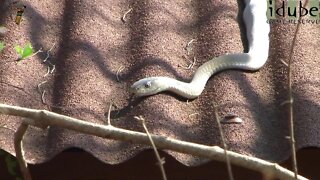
[257, 34]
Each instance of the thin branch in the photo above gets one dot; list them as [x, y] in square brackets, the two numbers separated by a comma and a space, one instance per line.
[290, 97]
[188, 47]
[283, 62]
[42, 93]
[43, 98]
[231, 119]
[191, 64]
[119, 71]
[48, 71]
[43, 118]
[17, 87]
[193, 114]
[161, 161]
[223, 143]
[53, 68]
[123, 18]
[109, 112]
[18, 136]
[39, 86]
[48, 53]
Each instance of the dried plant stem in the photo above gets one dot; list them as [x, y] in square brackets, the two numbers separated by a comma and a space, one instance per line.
[43, 118]
[190, 66]
[119, 71]
[48, 53]
[18, 136]
[109, 112]
[48, 71]
[230, 174]
[123, 18]
[290, 99]
[188, 46]
[160, 160]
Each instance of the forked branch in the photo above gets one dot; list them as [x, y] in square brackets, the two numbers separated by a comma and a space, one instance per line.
[44, 118]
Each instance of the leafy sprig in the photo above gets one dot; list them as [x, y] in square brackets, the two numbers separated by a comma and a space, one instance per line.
[24, 52]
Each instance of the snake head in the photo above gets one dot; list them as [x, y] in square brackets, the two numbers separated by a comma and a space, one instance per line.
[146, 87]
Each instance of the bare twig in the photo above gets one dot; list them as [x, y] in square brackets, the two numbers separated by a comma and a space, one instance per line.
[42, 93]
[43, 118]
[290, 97]
[42, 97]
[4, 127]
[48, 71]
[39, 86]
[118, 71]
[283, 62]
[123, 18]
[161, 161]
[223, 143]
[191, 65]
[231, 119]
[287, 102]
[187, 48]
[18, 136]
[53, 68]
[193, 114]
[109, 112]
[48, 53]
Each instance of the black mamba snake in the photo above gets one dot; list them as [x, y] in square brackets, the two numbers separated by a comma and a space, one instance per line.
[257, 30]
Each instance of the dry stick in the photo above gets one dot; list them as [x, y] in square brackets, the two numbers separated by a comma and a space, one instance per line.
[18, 136]
[188, 45]
[118, 71]
[193, 114]
[223, 143]
[286, 64]
[48, 71]
[3, 127]
[123, 19]
[188, 52]
[109, 112]
[45, 60]
[39, 86]
[293, 142]
[42, 97]
[42, 92]
[53, 68]
[193, 63]
[160, 160]
[43, 118]
[48, 55]
[16, 87]
[190, 65]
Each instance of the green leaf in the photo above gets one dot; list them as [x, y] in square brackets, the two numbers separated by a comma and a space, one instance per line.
[24, 52]
[19, 50]
[2, 46]
[27, 51]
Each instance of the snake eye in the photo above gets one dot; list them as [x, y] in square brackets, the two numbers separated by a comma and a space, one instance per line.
[147, 85]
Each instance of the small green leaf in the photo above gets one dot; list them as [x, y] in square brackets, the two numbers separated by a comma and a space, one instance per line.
[24, 52]
[2, 46]
[27, 51]
[19, 50]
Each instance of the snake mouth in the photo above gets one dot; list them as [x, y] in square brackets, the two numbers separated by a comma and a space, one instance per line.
[135, 92]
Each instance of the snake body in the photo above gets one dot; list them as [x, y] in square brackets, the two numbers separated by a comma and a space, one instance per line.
[257, 31]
